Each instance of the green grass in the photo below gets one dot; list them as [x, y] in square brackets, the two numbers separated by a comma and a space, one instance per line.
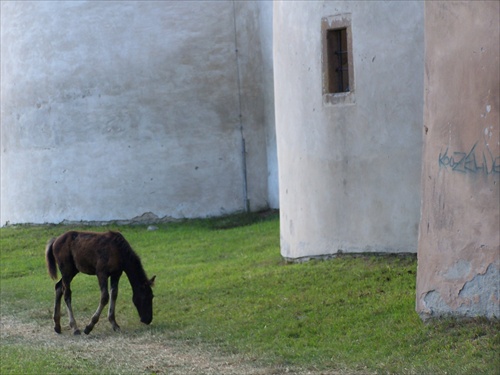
[16, 359]
[221, 283]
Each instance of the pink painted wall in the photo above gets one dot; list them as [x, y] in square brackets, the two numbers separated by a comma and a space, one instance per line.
[459, 239]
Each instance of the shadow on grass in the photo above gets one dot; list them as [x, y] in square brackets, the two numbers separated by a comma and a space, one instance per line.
[241, 219]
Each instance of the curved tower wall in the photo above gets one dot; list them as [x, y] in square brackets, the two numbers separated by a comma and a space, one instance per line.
[459, 245]
[114, 109]
[349, 166]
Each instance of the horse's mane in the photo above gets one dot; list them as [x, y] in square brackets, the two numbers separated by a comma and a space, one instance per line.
[131, 260]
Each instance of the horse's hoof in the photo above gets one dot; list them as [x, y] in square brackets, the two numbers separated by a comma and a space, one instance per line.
[57, 329]
[77, 332]
[87, 330]
[116, 328]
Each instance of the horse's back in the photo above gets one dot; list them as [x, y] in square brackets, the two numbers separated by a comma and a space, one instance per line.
[90, 252]
[83, 238]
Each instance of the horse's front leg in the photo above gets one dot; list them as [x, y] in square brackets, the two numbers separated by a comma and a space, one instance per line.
[103, 284]
[114, 294]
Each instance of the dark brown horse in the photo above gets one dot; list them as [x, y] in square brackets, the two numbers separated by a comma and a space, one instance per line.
[106, 255]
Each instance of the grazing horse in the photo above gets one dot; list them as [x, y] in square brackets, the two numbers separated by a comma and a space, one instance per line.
[106, 255]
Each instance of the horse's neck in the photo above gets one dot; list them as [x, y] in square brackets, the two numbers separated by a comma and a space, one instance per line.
[135, 274]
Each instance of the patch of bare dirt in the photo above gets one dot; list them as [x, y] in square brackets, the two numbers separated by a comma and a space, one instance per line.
[146, 353]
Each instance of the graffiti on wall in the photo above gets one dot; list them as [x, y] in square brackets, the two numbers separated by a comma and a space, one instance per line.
[471, 161]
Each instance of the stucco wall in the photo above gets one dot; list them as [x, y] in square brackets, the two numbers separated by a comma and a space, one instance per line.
[114, 109]
[459, 246]
[349, 173]
[255, 66]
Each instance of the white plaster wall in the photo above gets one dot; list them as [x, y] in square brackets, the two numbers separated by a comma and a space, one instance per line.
[266, 37]
[113, 109]
[349, 174]
[254, 45]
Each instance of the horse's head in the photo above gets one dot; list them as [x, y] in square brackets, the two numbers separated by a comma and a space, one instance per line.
[143, 301]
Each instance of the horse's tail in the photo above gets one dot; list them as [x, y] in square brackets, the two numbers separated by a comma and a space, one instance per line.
[50, 259]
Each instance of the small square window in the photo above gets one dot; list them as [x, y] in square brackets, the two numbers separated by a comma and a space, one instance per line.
[338, 72]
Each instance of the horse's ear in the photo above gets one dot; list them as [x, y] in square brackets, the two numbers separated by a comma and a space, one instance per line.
[152, 281]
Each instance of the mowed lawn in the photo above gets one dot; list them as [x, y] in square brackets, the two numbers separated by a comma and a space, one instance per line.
[222, 285]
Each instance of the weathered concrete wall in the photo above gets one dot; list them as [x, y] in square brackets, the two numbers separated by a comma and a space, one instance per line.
[254, 45]
[459, 245]
[266, 37]
[114, 109]
[349, 173]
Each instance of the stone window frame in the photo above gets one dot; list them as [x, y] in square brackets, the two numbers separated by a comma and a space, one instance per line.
[337, 22]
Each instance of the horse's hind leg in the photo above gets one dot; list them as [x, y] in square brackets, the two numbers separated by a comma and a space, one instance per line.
[103, 284]
[57, 307]
[67, 299]
[114, 294]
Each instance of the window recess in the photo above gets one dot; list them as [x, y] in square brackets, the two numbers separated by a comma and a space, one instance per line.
[338, 72]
